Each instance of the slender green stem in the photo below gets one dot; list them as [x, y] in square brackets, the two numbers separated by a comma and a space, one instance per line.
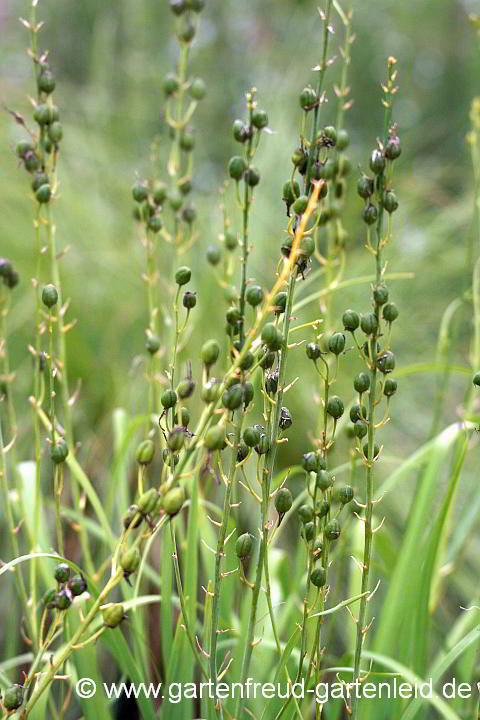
[220, 554]
[372, 402]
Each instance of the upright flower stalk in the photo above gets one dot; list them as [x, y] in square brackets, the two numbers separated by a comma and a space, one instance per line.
[380, 361]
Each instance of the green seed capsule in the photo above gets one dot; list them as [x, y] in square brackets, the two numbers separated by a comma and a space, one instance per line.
[40, 178]
[62, 573]
[195, 5]
[43, 194]
[336, 343]
[310, 462]
[240, 131]
[183, 275]
[173, 501]
[48, 599]
[380, 294]
[361, 382]
[236, 167]
[291, 191]
[313, 351]
[159, 192]
[49, 296]
[198, 89]
[266, 358]
[231, 241]
[31, 163]
[23, 147]
[308, 531]
[332, 530]
[176, 439]
[189, 300]
[77, 585]
[308, 98]
[376, 451]
[215, 437]
[186, 33]
[155, 223]
[390, 387]
[169, 399]
[147, 211]
[178, 7]
[130, 560]
[145, 452]
[377, 162]
[365, 186]
[214, 254]
[305, 513]
[335, 407]
[283, 500]
[370, 214]
[147, 501]
[233, 397]
[210, 352]
[252, 176]
[59, 451]
[63, 600]
[307, 248]
[185, 418]
[264, 445]
[300, 205]
[139, 192]
[369, 323]
[280, 302]
[44, 114]
[357, 412]
[132, 518]
[390, 312]
[171, 84]
[13, 698]
[175, 199]
[323, 480]
[393, 148]
[343, 494]
[254, 295]
[185, 388]
[322, 508]
[152, 343]
[476, 379]
[243, 546]
[317, 548]
[269, 333]
[187, 143]
[390, 202]
[386, 362]
[259, 119]
[210, 391]
[330, 134]
[343, 140]
[351, 320]
[55, 132]
[318, 577]
[360, 429]
[113, 615]
[251, 436]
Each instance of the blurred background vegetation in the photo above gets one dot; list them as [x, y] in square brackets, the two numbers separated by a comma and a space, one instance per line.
[110, 57]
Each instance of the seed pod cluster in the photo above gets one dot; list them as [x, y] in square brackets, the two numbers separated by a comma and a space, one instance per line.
[68, 587]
